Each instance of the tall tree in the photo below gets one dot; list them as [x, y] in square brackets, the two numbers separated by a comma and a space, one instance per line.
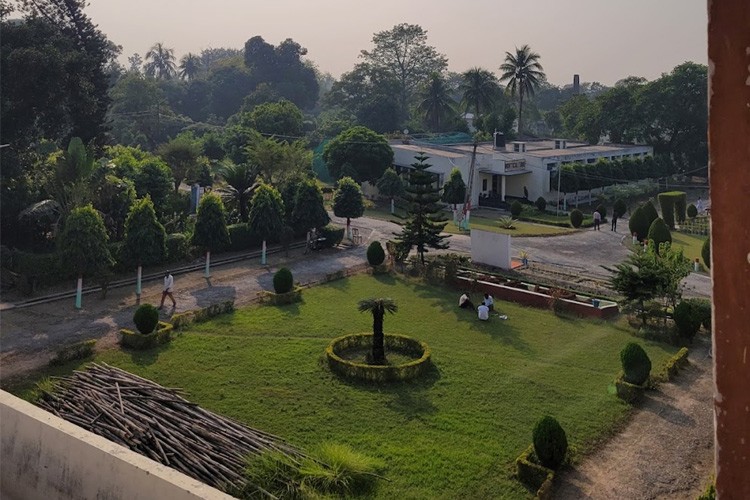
[348, 202]
[182, 155]
[454, 190]
[390, 185]
[160, 62]
[266, 214]
[359, 153]
[145, 239]
[479, 89]
[190, 66]
[210, 228]
[378, 308]
[424, 220]
[241, 182]
[83, 246]
[403, 53]
[281, 118]
[309, 211]
[523, 72]
[153, 178]
[435, 102]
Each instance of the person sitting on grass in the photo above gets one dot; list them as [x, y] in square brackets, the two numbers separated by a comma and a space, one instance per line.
[489, 302]
[465, 303]
[483, 312]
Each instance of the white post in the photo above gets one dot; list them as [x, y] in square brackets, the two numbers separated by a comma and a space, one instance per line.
[559, 178]
[79, 292]
[263, 254]
[393, 206]
[138, 282]
[502, 188]
[207, 274]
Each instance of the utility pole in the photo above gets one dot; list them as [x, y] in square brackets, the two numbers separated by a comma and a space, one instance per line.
[467, 202]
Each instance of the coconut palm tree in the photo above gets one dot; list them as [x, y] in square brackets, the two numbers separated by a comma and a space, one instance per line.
[378, 308]
[160, 62]
[435, 102]
[523, 72]
[479, 88]
[241, 183]
[190, 66]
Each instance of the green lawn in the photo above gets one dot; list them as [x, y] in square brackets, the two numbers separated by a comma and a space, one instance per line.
[453, 434]
[522, 228]
[691, 245]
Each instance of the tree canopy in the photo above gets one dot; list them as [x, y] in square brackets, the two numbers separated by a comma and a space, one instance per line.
[83, 243]
[523, 72]
[266, 212]
[309, 211]
[210, 225]
[359, 153]
[454, 189]
[144, 235]
[348, 201]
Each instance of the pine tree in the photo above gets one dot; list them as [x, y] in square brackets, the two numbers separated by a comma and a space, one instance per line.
[424, 222]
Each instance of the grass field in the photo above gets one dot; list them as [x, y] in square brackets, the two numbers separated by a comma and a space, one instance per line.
[691, 245]
[453, 434]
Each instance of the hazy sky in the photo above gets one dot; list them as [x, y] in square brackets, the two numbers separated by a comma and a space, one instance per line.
[602, 40]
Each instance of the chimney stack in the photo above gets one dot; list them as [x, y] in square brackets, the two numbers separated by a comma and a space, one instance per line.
[576, 84]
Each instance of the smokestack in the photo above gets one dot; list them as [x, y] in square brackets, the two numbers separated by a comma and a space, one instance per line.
[576, 84]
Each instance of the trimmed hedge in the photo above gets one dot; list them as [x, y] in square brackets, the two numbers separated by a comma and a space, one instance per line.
[138, 341]
[280, 299]
[379, 373]
[576, 218]
[639, 223]
[692, 211]
[550, 442]
[146, 318]
[687, 319]
[635, 363]
[620, 207]
[702, 308]
[79, 350]
[283, 281]
[672, 204]
[628, 392]
[333, 235]
[602, 211]
[706, 253]
[532, 474]
[650, 211]
[241, 238]
[375, 254]
[659, 233]
[675, 364]
[516, 208]
[541, 204]
[199, 315]
[178, 247]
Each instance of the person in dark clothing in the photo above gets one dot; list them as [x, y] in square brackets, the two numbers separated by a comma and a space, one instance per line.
[465, 303]
[614, 221]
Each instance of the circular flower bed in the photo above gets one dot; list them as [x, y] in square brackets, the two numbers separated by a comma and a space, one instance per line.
[416, 351]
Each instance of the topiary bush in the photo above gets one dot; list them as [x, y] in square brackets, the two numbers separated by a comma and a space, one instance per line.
[576, 218]
[333, 235]
[602, 211]
[706, 252]
[651, 213]
[639, 223]
[375, 254]
[283, 282]
[541, 204]
[516, 208]
[178, 247]
[146, 318]
[635, 364]
[692, 211]
[702, 308]
[620, 207]
[550, 442]
[659, 233]
[687, 319]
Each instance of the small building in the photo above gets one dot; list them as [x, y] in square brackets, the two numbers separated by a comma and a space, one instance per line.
[516, 169]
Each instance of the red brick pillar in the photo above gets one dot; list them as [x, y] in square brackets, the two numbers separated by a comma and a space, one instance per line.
[729, 146]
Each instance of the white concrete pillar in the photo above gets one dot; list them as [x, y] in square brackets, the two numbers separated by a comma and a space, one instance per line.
[502, 188]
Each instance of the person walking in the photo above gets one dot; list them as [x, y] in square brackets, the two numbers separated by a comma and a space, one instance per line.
[614, 221]
[168, 287]
[597, 220]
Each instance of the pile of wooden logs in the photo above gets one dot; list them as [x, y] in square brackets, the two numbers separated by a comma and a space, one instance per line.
[156, 422]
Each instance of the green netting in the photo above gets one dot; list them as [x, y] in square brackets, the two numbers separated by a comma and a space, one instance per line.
[319, 166]
[446, 138]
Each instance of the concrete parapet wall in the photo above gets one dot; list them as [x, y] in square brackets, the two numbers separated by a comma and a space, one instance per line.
[43, 456]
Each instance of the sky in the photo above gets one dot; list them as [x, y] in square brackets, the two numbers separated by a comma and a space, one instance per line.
[602, 40]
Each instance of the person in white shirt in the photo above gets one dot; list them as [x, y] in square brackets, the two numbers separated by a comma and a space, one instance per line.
[464, 302]
[489, 302]
[483, 312]
[168, 286]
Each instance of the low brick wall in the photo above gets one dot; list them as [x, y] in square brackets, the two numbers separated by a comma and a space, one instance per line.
[536, 299]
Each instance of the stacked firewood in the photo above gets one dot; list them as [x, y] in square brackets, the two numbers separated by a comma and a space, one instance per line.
[157, 422]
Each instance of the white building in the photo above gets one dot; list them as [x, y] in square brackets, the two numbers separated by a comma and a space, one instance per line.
[506, 169]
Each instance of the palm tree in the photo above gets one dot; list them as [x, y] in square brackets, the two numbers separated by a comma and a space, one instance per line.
[190, 66]
[479, 88]
[435, 101]
[240, 179]
[160, 62]
[378, 308]
[523, 74]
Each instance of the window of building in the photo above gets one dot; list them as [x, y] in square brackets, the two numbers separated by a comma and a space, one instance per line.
[484, 184]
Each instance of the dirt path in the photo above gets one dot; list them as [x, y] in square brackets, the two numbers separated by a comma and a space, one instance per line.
[666, 449]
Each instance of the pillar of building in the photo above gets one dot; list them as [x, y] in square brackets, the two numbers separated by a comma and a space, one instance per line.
[502, 188]
[729, 147]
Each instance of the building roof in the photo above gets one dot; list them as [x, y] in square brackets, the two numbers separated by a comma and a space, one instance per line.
[429, 150]
[579, 150]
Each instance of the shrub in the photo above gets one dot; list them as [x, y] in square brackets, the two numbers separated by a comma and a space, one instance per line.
[79, 350]
[506, 222]
[639, 223]
[620, 207]
[541, 204]
[702, 308]
[146, 318]
[680, 203]
[706, 252]
[635, 364]
[651, 213]
[133, 340]
[375, 254]
[550, 442]
[333, 235]
[178, 247]
[576, 218]
[516, 208]
[692, 211]
[659, 233]
[666, 202]
[241, 238]
[283, 282]
[687, 319]
[602, 211]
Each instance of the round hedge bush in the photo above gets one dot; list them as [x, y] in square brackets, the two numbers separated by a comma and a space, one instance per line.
[639, 223]
[541, 204]
[706, 252]
[146, 318]
[650, 210]
[635, 364]
[620, 207]
[516, 208]
[602, 211]
[550, 442]
[283, 281]
[659, 233]
[692, 211]
[576, 218]
[375, 254]
[688, 319]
